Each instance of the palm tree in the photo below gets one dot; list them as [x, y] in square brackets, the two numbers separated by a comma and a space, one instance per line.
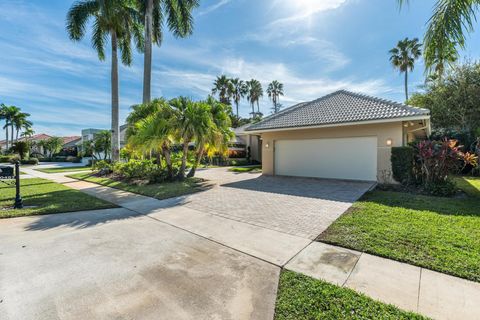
[179, 21]
[450, 20]
[212, 135]
[403, 57]
[120, 20]
[255, 92]
[274, 91]
[239, 90]
[9, 113]
[20, 122]
[223, 86]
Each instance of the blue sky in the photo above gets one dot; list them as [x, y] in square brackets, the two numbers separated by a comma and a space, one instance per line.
[313, 46]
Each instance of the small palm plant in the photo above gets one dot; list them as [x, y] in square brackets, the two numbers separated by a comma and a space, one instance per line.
[119, 20]
[274, 91]
[403, 57]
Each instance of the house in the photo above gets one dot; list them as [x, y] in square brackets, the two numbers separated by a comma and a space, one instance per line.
[69, 144]
[88, 135]
[250, 144]
[342, 135]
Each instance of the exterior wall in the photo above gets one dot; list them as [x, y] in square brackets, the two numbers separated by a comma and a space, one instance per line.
[383, 132]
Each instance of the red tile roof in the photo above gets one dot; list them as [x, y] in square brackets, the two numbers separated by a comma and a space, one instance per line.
[43, 136]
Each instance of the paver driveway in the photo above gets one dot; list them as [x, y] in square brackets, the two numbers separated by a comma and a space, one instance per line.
[297, 206]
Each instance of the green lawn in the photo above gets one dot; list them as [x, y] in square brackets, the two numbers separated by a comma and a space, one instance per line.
[441, 234]
[46, 197]
[246, 169]
[304, 298]
[65, 169]
[159, 191]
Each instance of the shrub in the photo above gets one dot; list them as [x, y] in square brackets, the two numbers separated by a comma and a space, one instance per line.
[21, 147]
[102, 167]
[5, 159]
[436, 160]
[403, 159]
[136, 169]
[14, 158]
[33, 161]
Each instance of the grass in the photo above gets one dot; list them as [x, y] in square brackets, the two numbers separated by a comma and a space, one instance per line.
[246, 169]
[441, 234]
[301, 298]
[158, 191]
[64, 169]
[45, 197]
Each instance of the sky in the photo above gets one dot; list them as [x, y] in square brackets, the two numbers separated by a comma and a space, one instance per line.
[313, 47]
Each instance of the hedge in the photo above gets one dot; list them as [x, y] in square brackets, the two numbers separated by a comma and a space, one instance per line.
[402, 164]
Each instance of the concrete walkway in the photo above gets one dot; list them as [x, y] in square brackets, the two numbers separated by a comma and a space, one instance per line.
[411, 288]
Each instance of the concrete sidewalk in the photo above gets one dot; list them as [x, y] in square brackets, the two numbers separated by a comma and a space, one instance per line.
[412, 288]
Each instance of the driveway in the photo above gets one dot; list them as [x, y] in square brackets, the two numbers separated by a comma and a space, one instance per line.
[211, 255]
[298, 206]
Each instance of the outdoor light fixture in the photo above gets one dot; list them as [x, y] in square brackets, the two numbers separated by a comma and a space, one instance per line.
[267, 145]
[389, 142]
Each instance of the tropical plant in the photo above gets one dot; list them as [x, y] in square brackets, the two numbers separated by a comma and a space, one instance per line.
[403, 57]
[21, 147]
[53, 145]
[274, 91]
[9, 113]
[255, 92]
[239, 90]
[436, 160]
[121, 21]
[223, 86]
[20, 122]
[102, 143]
[446, 31]
[179, 20]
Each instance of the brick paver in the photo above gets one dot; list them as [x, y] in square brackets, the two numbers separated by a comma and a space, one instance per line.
[297, 206]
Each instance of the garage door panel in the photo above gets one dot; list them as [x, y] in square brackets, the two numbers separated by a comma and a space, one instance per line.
[336, 158]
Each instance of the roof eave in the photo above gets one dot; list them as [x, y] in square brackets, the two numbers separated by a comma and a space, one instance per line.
[341, 124]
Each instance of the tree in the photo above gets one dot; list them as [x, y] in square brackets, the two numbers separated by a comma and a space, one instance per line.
[274, 91]
[9, 113]
[450, 21]
[211, 135]
[102, 143]
[223, 86]
[53, 145]
[120, 20]
[454, 101]
[403, 57]
[21, 122]
[255, 92]
[239, 90]
[179, 21]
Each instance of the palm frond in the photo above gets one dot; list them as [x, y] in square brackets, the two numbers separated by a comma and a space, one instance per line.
[78, 16]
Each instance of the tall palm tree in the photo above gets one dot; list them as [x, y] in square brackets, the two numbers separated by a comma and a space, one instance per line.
[3, 116]
[255, 92]
[403, 57]
[274, 91]
[21, 122]
[120, 20]
[446, 31]
[9, 113]
[179, 18]
[223, 86]
[239, 90]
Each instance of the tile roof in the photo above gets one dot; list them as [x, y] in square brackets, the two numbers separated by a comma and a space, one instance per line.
[70, 139]
[336, 108]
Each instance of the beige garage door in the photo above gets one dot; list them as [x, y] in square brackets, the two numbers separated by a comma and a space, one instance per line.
[336, 158]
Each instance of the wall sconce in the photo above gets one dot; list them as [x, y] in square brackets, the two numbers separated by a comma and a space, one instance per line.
[389, 142]
[267, 145]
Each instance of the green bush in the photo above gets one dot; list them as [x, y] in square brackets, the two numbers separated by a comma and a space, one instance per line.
[136, 169]
[102, 167]
[33, 161]
[5, 159]
[14, 158]
[446, 188]
[402, 164]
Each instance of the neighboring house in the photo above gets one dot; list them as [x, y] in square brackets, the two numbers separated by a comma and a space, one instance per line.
[88, 135]
[69, 146]
[343, 135]
[251, 143]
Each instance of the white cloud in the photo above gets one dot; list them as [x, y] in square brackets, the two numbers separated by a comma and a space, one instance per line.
[303, 10]
[214, 7]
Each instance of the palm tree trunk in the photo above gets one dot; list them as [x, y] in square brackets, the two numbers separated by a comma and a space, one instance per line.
[11, 138]
[253, 109]
[197, 162]
[115, 102]
[258, 107]
[6, 135]
[406, 86]
[168, 161]
[181, 172]
[236, 104]
[147, 64]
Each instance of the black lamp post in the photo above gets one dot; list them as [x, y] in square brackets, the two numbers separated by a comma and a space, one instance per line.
[18, 198]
